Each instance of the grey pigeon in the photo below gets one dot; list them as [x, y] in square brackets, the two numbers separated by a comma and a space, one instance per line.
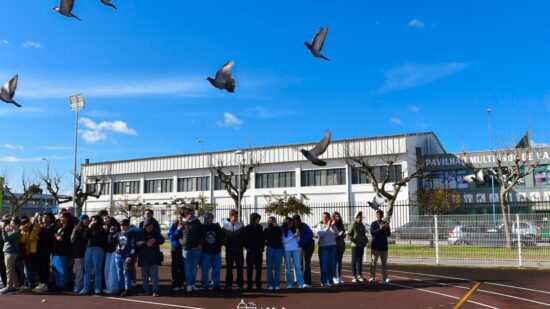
[8, 91]
[108, 3]
[377, 202]
[474, 178]
[65, 8]
[313, 154]
[224, 78]
[317, 43]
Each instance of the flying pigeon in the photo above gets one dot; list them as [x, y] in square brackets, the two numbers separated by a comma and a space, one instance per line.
[377, 202]
[224, 78]
[8, 91]
[477, 178]
[317, 43]
[65, 8]
[313, 154]
[108, 3]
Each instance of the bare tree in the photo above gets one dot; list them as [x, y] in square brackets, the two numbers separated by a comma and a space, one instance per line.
[130, 207]
[378, 171]
[230, 179]
[29, 189]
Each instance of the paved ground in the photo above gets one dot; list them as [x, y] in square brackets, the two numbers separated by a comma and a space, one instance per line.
[411, 287]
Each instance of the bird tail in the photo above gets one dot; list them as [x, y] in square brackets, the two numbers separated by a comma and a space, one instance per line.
[113, 6]
[76, 17]
[323, 57]
[16, 104]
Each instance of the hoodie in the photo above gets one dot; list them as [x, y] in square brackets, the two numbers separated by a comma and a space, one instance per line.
[357, 233]
[254, 238]
[273, 237]
[95, 236]
[211, 238]
[234, 236]
[29, 237]
[78, 243]
[149, 255]
[174, 235]
[45, 244]
[63, 247]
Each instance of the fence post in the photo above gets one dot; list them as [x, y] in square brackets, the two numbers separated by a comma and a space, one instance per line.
[520, 257]
[436, 241]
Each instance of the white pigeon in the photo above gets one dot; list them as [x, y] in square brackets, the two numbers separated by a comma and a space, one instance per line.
[313, 154]
[474, 178]
[108, 3]
[224, 78]
[317, 43]
[377, 202]
[8, 91]
[65, 8]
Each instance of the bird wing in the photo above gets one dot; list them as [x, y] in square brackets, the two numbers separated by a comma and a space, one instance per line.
[479, 177]
[469, 178]
[322, 145]
[13, 84]
[319, 38]
[224, 73]
[66, 5]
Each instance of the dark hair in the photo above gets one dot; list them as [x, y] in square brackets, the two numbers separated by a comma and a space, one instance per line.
[103, 213]
[286, 226]
[16, 221]
[233, 212]
[49, 215]
[271, 218]
[125, 222]
[297, 219]
[98, 218]
[67, 215]
[80, 225]
[380, 211]
[149, 210]
[254, 216]
[326, 214]
[339, 223]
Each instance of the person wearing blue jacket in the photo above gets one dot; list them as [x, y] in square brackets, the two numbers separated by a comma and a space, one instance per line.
[178, 270]
[148, 243]
[380, 230]
[307, 247]
[125, 243]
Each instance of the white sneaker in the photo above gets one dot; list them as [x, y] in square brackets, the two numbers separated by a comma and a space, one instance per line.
[354, 280]
[371, 280]
[194, 288]
[176, 289]
[361, 279]
[189, 289]
[340, 280]
[277, 288]
[387, 280]
[270, 288]
[336, 280]
[306, 286]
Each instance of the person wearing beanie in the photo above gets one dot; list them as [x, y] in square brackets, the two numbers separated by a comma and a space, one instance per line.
[148, 241]
[96, 238]
[191, 247]
[78, 245]
[211, 240]
[357, 233]
[177, 268]
[254, 242]
[233, 241]
[306, 249]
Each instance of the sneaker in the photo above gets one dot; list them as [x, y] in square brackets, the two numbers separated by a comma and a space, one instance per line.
[306, 286]
[277, 288]
[176, 289]
[361, 279]
[83, 292]
[124, 293]
[97, 292]
[6, 290]
[189, 289]
[195, 289]
[341, 281]
[143, 293]
[41, 288]
[387, 280]
[269, 288]
[335, 280]
[156, 294]
[354, 280]
[371, 280]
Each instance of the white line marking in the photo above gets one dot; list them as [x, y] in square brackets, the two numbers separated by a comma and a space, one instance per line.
[150, 302]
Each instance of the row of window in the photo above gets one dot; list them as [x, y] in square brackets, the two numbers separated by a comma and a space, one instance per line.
[327, 177]
[455, 180]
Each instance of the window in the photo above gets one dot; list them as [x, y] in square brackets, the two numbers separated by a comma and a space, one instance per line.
[445, 180]
[127, 187]
[218, 185]
[91, 187]
[193, 184]
[358, 176]
[276, 180]
[542, 176]
[329, 177]
[158, 186]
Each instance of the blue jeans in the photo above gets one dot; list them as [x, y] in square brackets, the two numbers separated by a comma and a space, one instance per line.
[93, 259]
[214, 261]
[60, 270]
[274, 259]
[191, 259]
[297, 269]
[327, 261]
[28, 271]
[124, 275]
[111, 273]
[153, 272]
[338, 268]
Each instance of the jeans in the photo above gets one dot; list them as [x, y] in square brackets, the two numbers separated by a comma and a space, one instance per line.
[93, 259]
[254, 262]
[111, 273]
[213, 261]
[327, 257]
[60, 269]
[28, 262]
[274, 260]
[191, 259]
[232, 257]
[78, 270]
[306, 252]
[374, 259]
[178, 270]
[357, 261]
[295, 257]
[153, 272]
[124, 274]
[338, 263]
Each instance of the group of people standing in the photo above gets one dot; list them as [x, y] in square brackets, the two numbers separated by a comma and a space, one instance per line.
[77, 249]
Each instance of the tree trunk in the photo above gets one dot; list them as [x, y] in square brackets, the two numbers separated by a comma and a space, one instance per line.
[503, 207]
[389, 212]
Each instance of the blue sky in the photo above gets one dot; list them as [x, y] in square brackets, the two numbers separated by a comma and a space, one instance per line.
[404, 66]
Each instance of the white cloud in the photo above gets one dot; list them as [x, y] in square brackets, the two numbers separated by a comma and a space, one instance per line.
[95, 132]
[263, 112]
[396, 121]
[31, 44]
[414, 109]
[57, 148]
[416, 23]
[13, 159]
[414, 75]
[4, 42]
[13, 147]
[231, 121]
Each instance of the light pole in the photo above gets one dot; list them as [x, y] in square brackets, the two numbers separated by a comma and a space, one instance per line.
[199, 141]
[47, 167]
[490, 113]
[77, 103]
[240, 153]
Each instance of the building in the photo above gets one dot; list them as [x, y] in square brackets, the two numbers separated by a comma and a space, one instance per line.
[38, 203]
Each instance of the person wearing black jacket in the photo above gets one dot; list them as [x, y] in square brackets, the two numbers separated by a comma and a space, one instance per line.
[212, 239]
[96, 238]
[380, 231]
[61, 251]
[254, 244]
[79, 250]
[148, 216]
[44, 251]
[191, 247]
[274, 255]
[233, 241]
[149, 241]
[111, 226]
[3, 275]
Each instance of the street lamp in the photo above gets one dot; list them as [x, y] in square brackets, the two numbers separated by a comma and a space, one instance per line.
[241, 154]
[77, 103]
[199, 141]
[490, 113]
[47, 167]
